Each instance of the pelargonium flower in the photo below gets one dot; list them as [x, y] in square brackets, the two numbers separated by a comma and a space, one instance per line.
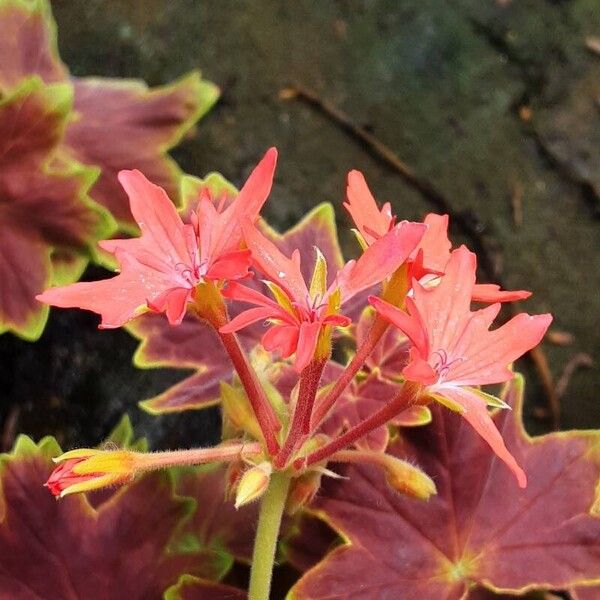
[430, 258]
[453, 349]
[299, 312]
[160, 269]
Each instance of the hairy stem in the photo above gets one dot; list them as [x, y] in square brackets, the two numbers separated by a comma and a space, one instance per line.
[363, 352]
[309, 384]
[265, 542]
[407, 396]
[195, 456]
[210, 307]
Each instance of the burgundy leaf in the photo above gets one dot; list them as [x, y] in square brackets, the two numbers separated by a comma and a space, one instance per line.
[69, 550]
[121, 124]
[28, 43]
[480, 529]
[193, 588]
[43, 203]
[218, 532]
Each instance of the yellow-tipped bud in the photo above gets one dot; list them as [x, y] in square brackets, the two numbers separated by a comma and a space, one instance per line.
[86, 469]
[253, 484]
[407, 479]
[400, 474]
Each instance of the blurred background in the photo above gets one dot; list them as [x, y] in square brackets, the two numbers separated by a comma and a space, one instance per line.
[494, 105]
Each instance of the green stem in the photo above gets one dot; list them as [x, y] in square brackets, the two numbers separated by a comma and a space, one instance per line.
[265, 542]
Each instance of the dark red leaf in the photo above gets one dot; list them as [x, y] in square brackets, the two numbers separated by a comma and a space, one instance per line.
[480, 529]
[28, 43]
[122, 124]
[69, 550]
[43, 203]
[193, 588]
[306, 540]
[217, 532]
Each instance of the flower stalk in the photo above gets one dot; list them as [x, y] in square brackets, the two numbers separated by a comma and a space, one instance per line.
[300, 427]
[267, 532]
[87, 469]
[209, 305]
[408, 395]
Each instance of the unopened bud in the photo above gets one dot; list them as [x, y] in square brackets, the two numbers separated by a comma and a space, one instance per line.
[87, 469]
[253, 484]
[408, 479]
[238, 411]
[302, 490]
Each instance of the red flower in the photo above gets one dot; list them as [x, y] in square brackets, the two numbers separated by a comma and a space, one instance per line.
[431, 255]
[453, 348]
[161, 268]
[299, 314]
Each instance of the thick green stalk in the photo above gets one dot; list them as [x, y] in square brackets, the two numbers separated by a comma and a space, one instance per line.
[265, 542]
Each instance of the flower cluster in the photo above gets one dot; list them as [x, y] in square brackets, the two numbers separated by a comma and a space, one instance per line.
[220, 261]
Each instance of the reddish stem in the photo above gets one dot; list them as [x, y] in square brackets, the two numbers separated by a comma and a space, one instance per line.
[362, 353]
[300, 427]
[407, 396]
[265, 415]
[210, 306]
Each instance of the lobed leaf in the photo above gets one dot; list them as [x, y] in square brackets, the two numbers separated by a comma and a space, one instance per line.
[28, 44]
[122, 124]
[44, 206]
[70, 550]
[480, 529]
[217, 533]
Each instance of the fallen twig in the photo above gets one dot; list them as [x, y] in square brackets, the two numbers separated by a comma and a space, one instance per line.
[578, 361]
[516, 203]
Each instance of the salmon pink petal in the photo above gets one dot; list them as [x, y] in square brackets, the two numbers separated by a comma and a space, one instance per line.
[163, 231]
[307, 344]
[248, 317]
[419, 370]
[233, 265]
[476, 413]
[370, 221]
[445, 307]
[435, 243]
[242, 293]
[489, 353]
[173, 302]
[490, 292]
[118, 299]
[247, 203]
[411, 324]
[283, 338]
[381, 259]
[275, 265]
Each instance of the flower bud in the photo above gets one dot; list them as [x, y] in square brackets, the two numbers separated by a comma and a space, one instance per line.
[302, 490]
[253, 484]
[86, 469]
[407, 479]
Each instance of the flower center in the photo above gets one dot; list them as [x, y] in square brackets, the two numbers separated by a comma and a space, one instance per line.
[441, 363]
